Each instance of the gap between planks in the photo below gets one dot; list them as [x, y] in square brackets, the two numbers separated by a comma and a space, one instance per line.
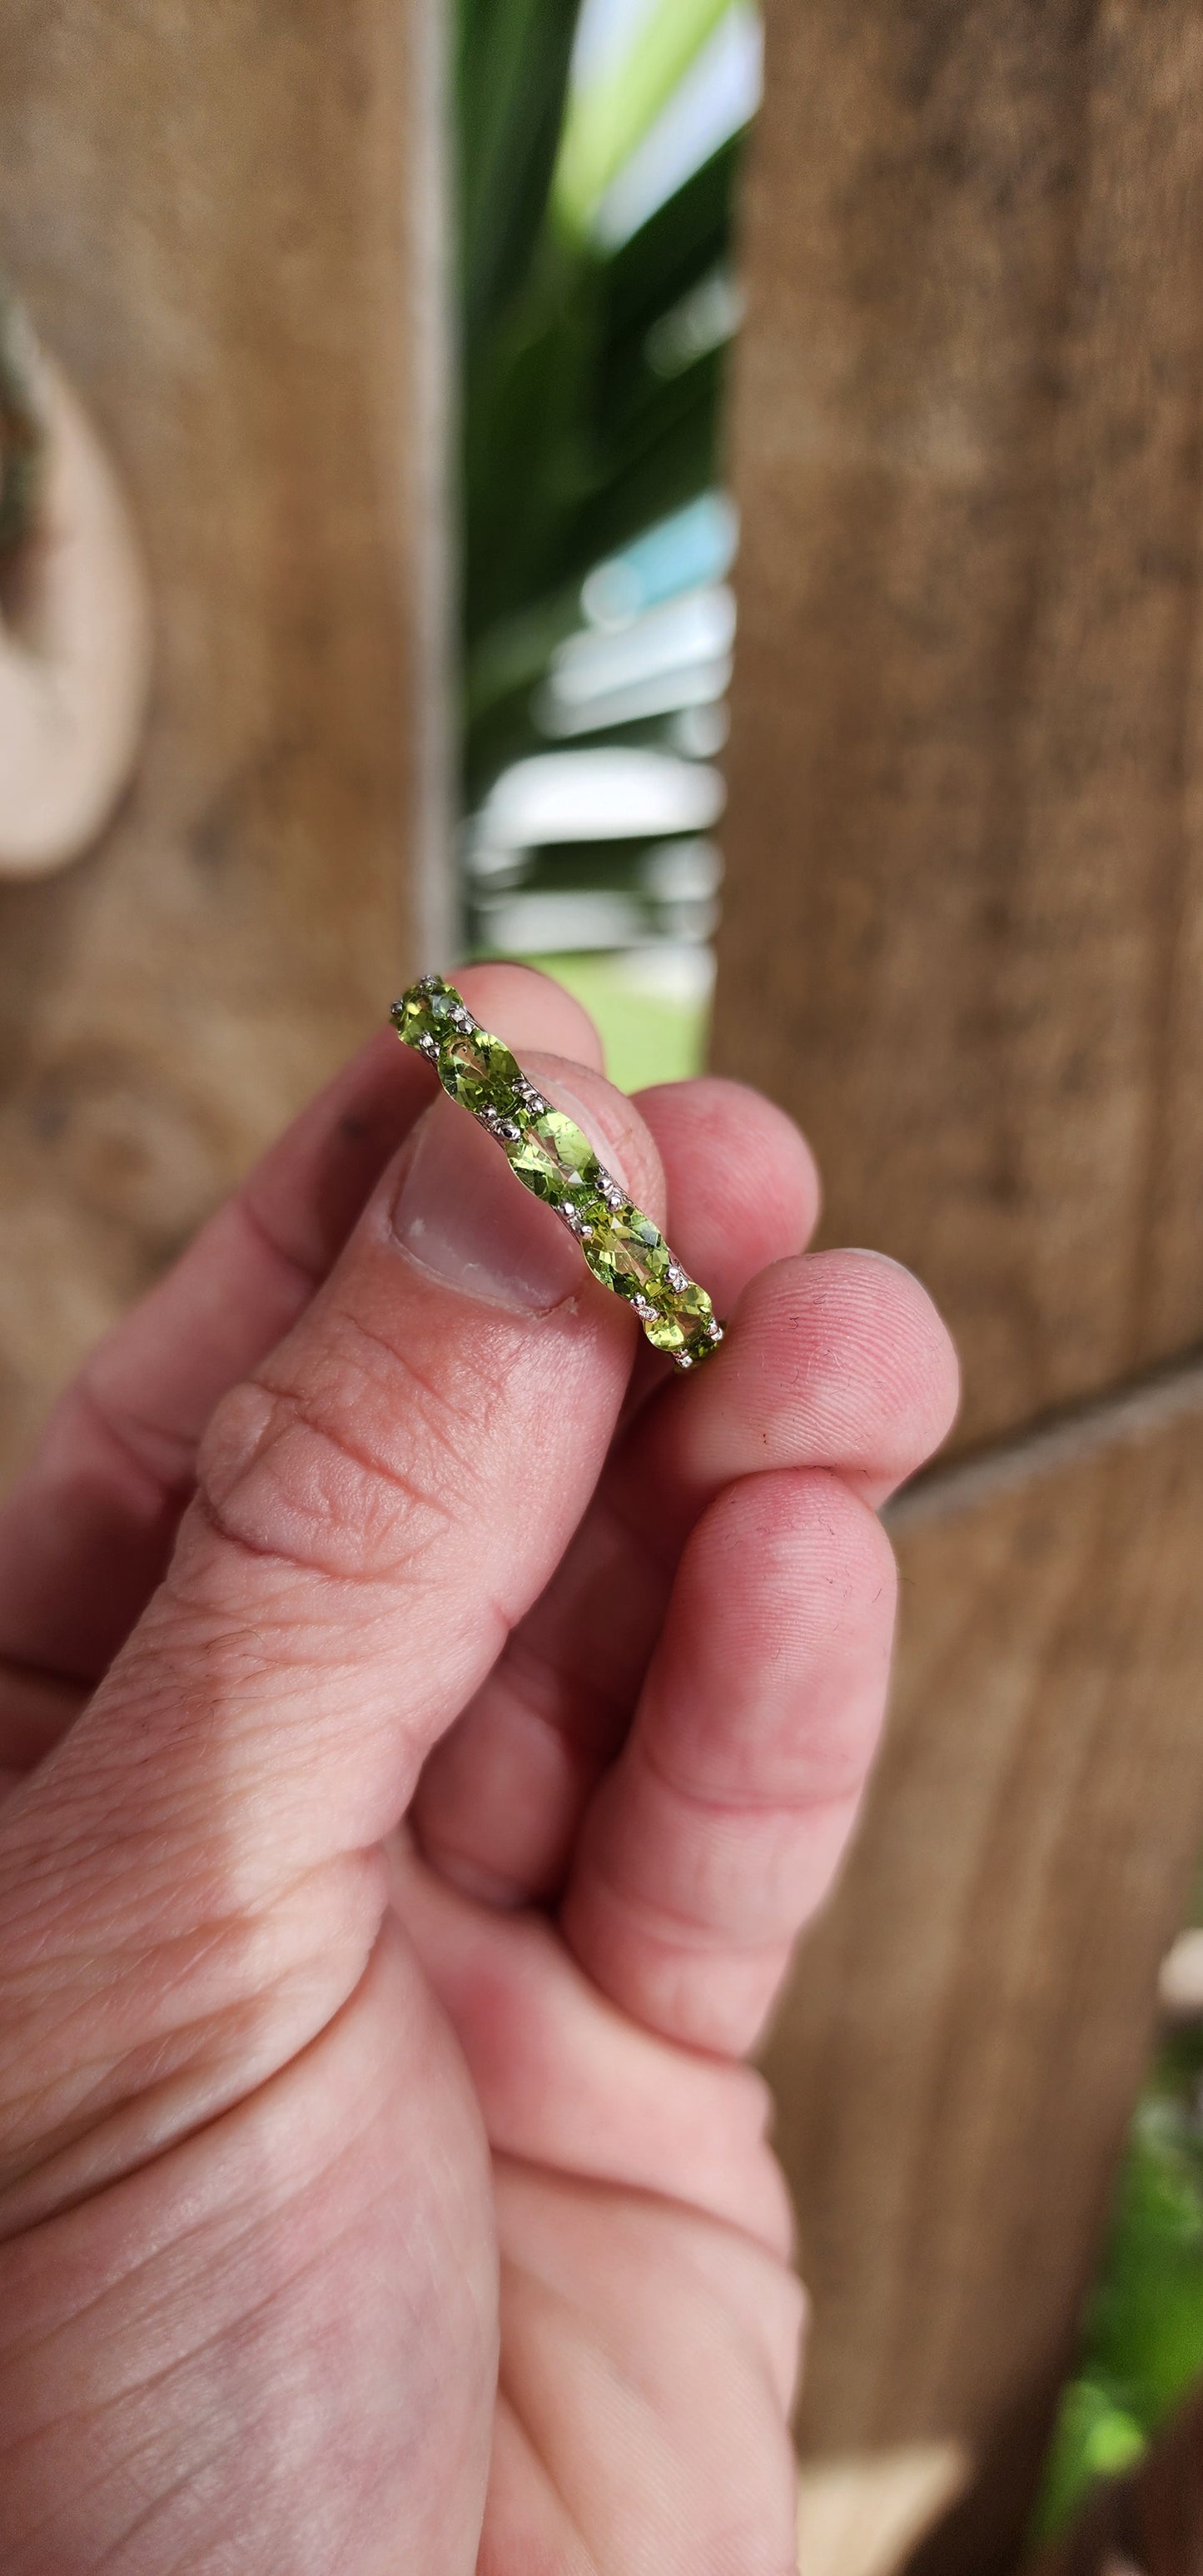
[1132, 1411]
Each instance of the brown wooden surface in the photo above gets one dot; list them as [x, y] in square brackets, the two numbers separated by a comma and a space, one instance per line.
[967, 2026]
[225, 223]
[963, 941]
[964, 934]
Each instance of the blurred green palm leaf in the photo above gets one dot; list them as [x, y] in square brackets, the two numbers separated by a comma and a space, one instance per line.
[606, 122]
[580, 424]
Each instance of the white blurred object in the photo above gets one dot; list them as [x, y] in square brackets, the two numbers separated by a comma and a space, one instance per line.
[683, 871]
[663, 972]
[545, 925]
[862, 2516]
[718, 94]
[74, 648]
[610, 795]
[705, 319]
[698, 627]
[700, 731]
[605, 31]
[1180, 1983]
[678, 655]
[694, 684]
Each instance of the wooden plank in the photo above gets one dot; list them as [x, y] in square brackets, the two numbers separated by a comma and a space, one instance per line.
[967, 2025]
[963, 941]
[226, 224]
[964, 930]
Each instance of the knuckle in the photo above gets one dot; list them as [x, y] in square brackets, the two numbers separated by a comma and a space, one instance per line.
[311, 1474]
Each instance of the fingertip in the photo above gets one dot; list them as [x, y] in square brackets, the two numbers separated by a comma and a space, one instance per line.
[743, 1185]
[855, 1341]
[915, 1352]
[529, 1009]
[793, 1551]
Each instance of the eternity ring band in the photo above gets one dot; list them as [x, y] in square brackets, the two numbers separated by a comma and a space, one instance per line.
[555, 1160]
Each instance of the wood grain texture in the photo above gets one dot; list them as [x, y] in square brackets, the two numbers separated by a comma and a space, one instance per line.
[226, 223]
[966, 2027]
[964, 930]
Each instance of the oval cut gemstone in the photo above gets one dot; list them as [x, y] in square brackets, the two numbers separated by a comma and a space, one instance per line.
[686, 1322]
[629, 1255]
[478, 1070]
[413, 1017]
[554, 1159]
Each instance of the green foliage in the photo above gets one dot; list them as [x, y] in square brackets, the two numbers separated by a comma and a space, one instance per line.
[20, 431]
[604, 127]
[513, 67]
[575, 437]
[1143, 2343]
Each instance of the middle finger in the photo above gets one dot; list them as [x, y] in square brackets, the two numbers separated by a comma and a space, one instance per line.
[836, 1361]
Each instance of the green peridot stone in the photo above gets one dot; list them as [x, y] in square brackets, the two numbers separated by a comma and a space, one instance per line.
[413, 1016]
[685, 1324]
[629, 1255]
[479, 1071]
[555, 1160]
[551, 1156]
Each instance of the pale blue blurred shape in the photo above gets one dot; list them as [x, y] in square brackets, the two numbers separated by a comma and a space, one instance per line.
[695, 546]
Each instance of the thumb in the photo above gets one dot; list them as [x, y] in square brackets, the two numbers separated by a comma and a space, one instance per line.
[194, 1875]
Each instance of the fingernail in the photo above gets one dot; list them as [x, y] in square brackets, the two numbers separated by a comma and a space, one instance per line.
[461, 1213]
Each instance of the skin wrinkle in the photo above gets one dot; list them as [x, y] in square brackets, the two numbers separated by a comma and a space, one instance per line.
[41, 1677]
[717, 1807]
[473, 1417]
[159, 2051]
[610, 1501]
[195, 2128]
[257, 1718]
[602, 1509]
[514, 2270]
[244, 2229]
[675, 1932]
[306, 1274]
[303, 1408]
[209, 1931]
[291, 1562]
[178, 2367]
[648, 2399]
[587, 2564]
[122, 1431]
[671, 2204]
[561, 1694]
[251, 1935]
[478, 1878]
[132, 2390]
[161, 2070]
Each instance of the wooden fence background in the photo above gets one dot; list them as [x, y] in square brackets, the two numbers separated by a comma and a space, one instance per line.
[965, 792]
[227, 224]
[963, 941]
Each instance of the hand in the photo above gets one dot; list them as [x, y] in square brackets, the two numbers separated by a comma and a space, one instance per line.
[426, 1738]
